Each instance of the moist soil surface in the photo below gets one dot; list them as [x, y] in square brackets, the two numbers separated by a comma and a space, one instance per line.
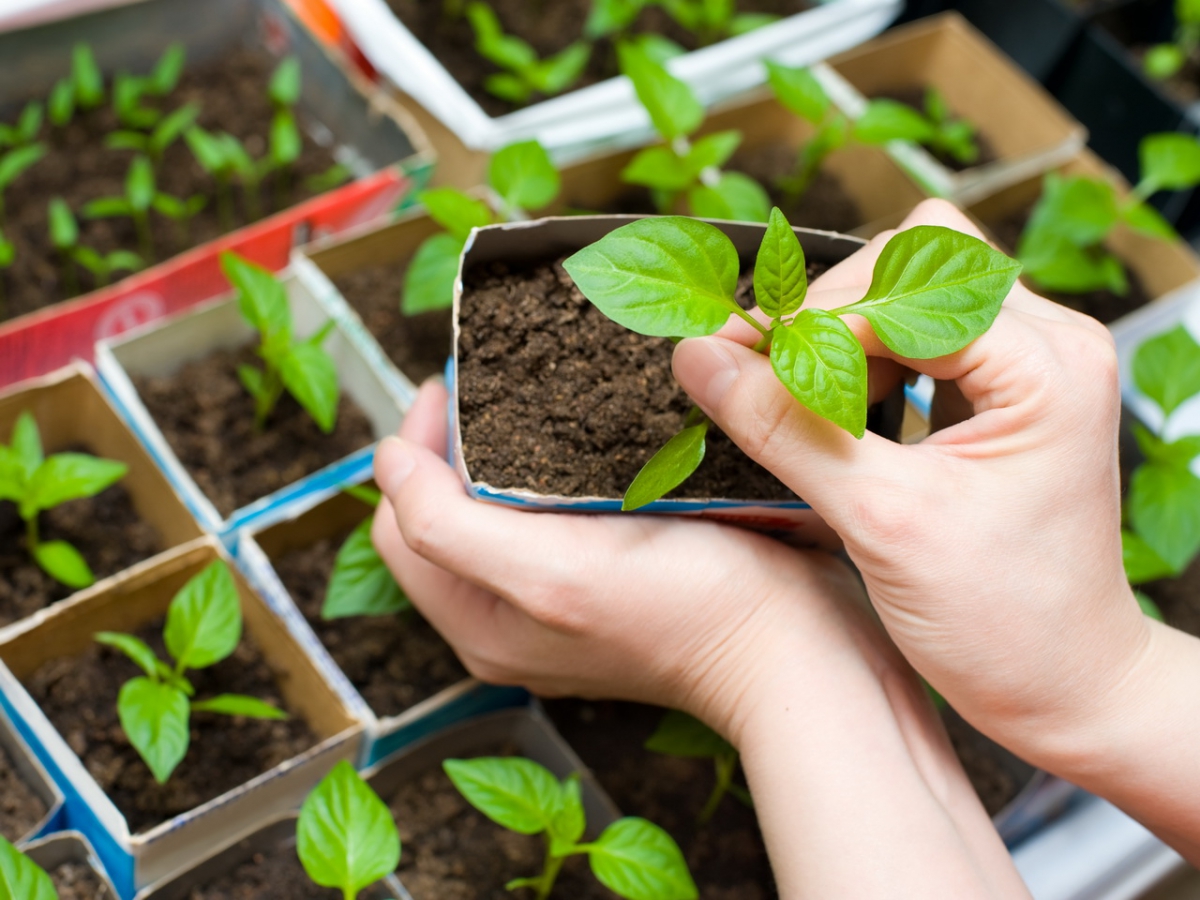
[825, 205]
[20, 808]
[232, 91]
[274, 874]
[79, 696]
[419, 345]
[75, 881]
[556, 398]
[395, 662]
[549, 26]
[208, 419]
[915, 97]
[105, 528]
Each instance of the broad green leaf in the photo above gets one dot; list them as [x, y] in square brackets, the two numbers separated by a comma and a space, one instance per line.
[139, 184]
[1055, 263]
[204, 620]
[1164, 509]
[361, 584]
[70, 476]
[21, 878]
[12, 479]
[822, 364]
[611, 16]
[1187, 12]
[64, 563]
[1170, 161]
[888, 120]
[665, 277]
[517, 793]
[671, 105]
[171, 127]
[569, 820]
[670, 467]
[658, 47]
[106, 207]
[15, 162]
[262, 300]
[934, 290]
[679, 734]
[133, 647]
[1145, 219]
[799, 90]
[1142, 564]
[736, 196]
[1163, 60]
[27, 444]
[780, 275]
[429, 281]
[89, 83]
[155, 718]
[285, 139]
[345, 835]
[712, 150]
[284, 88]
[167, 70]
[60, 108]
[557, 73]
[309, 375]
[455, 211]
[639, 861]
[659, 168]
[508, 87]
[239, 705]
[524, 176]
[64, 231]
[1148, 606]
[1179, 452]
[364, 494]
[1166, 368]
[1081, 210]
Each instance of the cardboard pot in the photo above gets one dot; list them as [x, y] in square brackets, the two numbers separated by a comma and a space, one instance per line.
[68, 847]
[34, 776]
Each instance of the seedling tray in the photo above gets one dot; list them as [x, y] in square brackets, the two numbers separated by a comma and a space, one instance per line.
[70, 848]
[33, 775]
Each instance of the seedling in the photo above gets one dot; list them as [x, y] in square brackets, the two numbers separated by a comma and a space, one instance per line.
[708, 20]
[361, 584]
[300, 367]
[130, 90]
[141, 196]
[104, 265]
[1062, 246]
[13, 164]
[937, 129]
[633, 858]
[224, 158]
[181, 212]
[29, 123]
[155, 143]
[524, 178]
[204, 626]
[285, 143]
[8, 255]
[524, 73]
[84, 89]
[934, 290]
[345, 836]
[64, 235]
[679, 734]
[21, 878]
[36, 482]
[680, 168]
[1164, 60]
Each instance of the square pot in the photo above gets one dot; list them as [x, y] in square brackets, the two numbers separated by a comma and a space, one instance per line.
[70, 848]
[259, 552]
[33, 775]
[130, 601]
[162, 348]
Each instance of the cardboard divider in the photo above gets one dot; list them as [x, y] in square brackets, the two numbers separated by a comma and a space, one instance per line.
[34, 775]
[69, 847]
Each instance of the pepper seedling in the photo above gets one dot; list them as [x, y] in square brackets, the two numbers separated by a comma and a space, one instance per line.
[633, 858]
[83, 89]
[1062, 246]
[361, 583]
[26, 129]
[64, 235]
[679, 734]
[934, 290]
[36, 483]
[21, 878]
[285, 144]
[525, 74]
[889, 120]
[203, 627]
[1164, 60]
[130, 90]
[155, 143]
[300, 367]
[13, 164]
[345, 836]
[140, 191]
[223, 157]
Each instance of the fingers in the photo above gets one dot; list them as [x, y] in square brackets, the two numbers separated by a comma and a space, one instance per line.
[425, 423]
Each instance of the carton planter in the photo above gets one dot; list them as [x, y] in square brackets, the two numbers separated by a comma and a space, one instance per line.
[395, 673]
[32, 804]
[135, 519]
[71, 863]
[228, 42]
[604, 112]
[139, 842]
[1021, 130]
[194, 356]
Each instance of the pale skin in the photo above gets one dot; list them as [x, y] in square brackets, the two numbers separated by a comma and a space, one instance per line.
[991, 556]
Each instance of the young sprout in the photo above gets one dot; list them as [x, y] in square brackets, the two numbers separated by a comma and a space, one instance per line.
[708, 20]
[36, 482]
[140, 192]
[64, 236]
[8, 255]
[285, 144]
[937, 129]
[1164, 60]
[335, 175]
[524, 178]
[21, 878]
[181, 212]
[60, 105]
[86, 78]
[934, 290]
[103, 265]
[361, 583]
[300, 367]
[26, 130]
[679, 734]
[1062, 246]
[155, 143]
[345, 836]
[13, 164]
[524, 73]
[130, 90]
[633, 858]
[215, 155]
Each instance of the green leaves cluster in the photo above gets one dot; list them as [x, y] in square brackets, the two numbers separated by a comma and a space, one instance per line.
[130, 90]
[64, 236]
[1164, 60]
[204, 626]
[26, 128]
[36, 482]
[708, 20]
[935, 128]
[361, 583]
[525, 74]
[141, 196]
[934, 290]
[301, 367]
[633, 858]
[82, 89]
[21, 878]
[679, 734]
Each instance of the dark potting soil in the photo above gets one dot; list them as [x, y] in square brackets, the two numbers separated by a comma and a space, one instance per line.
[419, 345]
[915, 97]
[106, 529]
[75, 881]
[825, 205]
[274, 874]
[208, 419]
[556, 398]
[727, 857]
[20, 807]
[549, 26]
[79, 696]
[395, 662]
[232, 91]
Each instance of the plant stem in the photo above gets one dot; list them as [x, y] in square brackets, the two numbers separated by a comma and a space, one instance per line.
[264, 404]
[549, 873]
[726, 766]
[31, 533]
[141, 222]
[753, 321]
[253, 200]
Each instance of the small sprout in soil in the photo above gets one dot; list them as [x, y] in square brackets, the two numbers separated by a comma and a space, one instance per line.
[524, 178]
[26, 130]
[60, 105]
[1062, 246]
[1164, 60]
[181, 212]
[21, 878]
[524, 73]
[204, 626]
[103, 265]
[345, 836]
[155, 143]
[223, 157]
[682, 169]
[361, 583]
[13, 164]
[285, 143]
[633, 858]
[86, 79]
[679, 734]
[36, 482]
[140, 194]
[130, 90]
[64, 236]
[299, 366]
[714, 20]
[934, 290]
[8, 255]
[937, 129]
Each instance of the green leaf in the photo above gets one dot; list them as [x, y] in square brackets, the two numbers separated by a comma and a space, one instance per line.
[364, 494]
[61, 105]
[1081, 210]
[670, 467]
[493, 44]
[888, 120]
[679, 734]
[639, 861]
[934, 290]
[1142, 564]
[780, 274]
[204, 620]
[1163, 60]
[309, 375]
[284, 88]
[64, 563]
[744, 23]
[1164, 509]
[15, 162]
[1187, 12]
[106, 207]
[139, 184]
[1166, 368]
[524, 176]
[1058, 264]
[1179, 452]
[30, 122]
[8, 252]
[208, 149]
[1170, 161]
[253, 380]
[262, 300]
[127, 140]
[69, 476]
[820, 361]
[429, 281]
[517, 793]
[664, 277]
[659, 168]
[128, 91]
[671, 105]
[155, 718]
[169, 129]
[240, 705]
[557, 73]
[658, 47]
[285, 139]
[361, 584]
[21, 878]
[1148, 606]
[329, 179]
[611, 16]
[799, 91]
[1145, 219]
[167, 70]
[455, 211]
[569, 820]
[64, 232]
[713, 150]
[124, 259]
[135, 648]
[736, 196]
[27, 444]
[345, 835]
[89, 83]
[508, 87]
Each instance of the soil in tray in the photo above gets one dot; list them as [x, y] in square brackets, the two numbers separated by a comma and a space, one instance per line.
[418, 345]
[78, 168]
[915, 97]
[75, 881]
[79, 696]
[208, 419]
[20, 807]
[275, 874]
[395, 662]
[106, 529]
[549, 26]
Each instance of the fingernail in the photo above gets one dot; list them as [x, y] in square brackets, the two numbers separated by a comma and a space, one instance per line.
[706, 370]
[394, 462]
